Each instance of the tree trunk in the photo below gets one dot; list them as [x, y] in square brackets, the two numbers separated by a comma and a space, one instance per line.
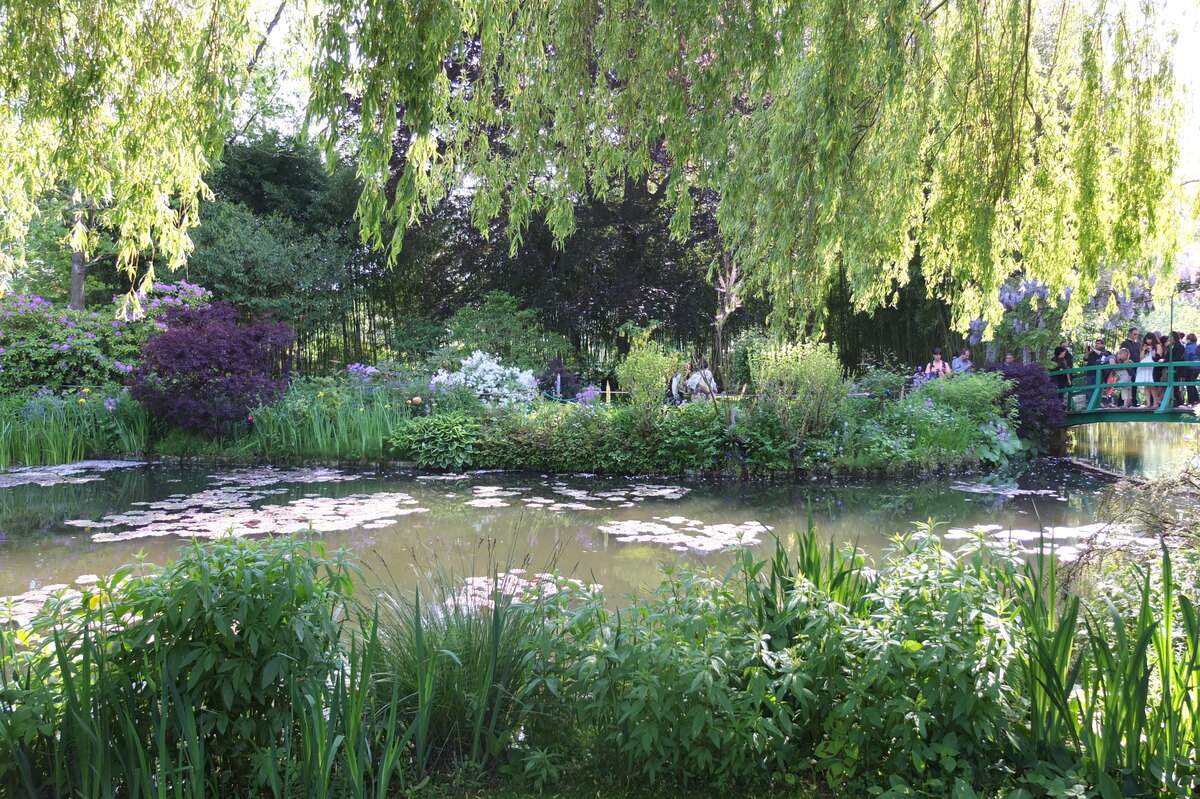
[79, 266]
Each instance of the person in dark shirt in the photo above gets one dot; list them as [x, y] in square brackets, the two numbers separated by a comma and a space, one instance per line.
[1135, 348]
[1097, 356]
[1191, 352]
[1177, 354]
[1061, 354]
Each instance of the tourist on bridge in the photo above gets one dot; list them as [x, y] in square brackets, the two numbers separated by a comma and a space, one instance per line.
[1125, 400]
[1177, 354]
[1097, 355]
[1062, 360]
[1191, 352]
[1134, 346]
[1150, 356]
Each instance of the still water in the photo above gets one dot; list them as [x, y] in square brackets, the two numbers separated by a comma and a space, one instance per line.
[60, 523]
[1140, 449]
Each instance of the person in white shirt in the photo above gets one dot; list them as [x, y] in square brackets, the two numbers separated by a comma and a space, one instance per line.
[702, 384]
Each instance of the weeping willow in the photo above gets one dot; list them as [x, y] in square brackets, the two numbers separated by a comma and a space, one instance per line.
[122, 105]
[976, 138]
[847, 139]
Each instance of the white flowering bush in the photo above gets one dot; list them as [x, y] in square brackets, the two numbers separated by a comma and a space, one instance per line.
[491, 380]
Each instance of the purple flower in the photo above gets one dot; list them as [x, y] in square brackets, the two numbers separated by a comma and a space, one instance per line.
[588, 396]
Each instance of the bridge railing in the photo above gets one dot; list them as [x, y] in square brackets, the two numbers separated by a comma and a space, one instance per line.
[1089, 380]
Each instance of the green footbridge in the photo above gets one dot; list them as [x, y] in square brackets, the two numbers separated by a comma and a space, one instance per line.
[1087, 399]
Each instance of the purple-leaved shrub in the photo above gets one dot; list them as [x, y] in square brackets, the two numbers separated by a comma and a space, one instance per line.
[205, 370]
[1039, 405]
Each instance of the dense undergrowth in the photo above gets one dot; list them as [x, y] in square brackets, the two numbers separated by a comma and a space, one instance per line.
[952, 424]
[257, 668]
[193, 378]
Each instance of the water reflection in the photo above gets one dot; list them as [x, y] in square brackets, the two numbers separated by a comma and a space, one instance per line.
[1139, 449]
[580, 523]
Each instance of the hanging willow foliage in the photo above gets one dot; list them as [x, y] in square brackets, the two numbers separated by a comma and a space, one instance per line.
[124, 104]
[983, 137]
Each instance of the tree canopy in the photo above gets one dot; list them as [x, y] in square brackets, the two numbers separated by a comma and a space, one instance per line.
[985, 137]
[125, 104]
[845, 140]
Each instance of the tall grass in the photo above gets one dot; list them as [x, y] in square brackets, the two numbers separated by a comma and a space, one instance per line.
[346, 422]
[53, 429]
[1115, 681]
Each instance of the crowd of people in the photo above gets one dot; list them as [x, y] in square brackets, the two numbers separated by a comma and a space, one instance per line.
[695, 382]
[961, 363]
[1138, 363]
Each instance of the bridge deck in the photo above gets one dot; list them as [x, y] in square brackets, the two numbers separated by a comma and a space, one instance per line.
[1083, 397]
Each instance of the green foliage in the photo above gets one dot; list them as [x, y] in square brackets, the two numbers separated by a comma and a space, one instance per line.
[331, 418]
[53, 429]
[414, 338]
[500, 327]
[980, 395]
[830, 152]
[645, 373]
[679, 686]
[458, 663]
[740, 371]
[51, 347]
[691, 437]
[801, 384]
[218, 642]
[127, 129]
[442, 441]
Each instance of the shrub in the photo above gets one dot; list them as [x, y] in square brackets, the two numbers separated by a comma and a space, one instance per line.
[929, 700]
[47, 347]
[761, 435]
[1039, 406]
[500, 326]
[740, 371]
[205, 655]
[413, 338]
[557, 380]
[691, 436]
[442, 441]
[802, 384]
[682, 685]
[489, 379]
[204, 372]
[644, 374]
[980, 396]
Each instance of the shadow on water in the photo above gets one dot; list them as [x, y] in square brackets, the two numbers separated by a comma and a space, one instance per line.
[618, 529]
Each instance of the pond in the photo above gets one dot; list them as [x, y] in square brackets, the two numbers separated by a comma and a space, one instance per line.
[1139, 449]
[60, 524]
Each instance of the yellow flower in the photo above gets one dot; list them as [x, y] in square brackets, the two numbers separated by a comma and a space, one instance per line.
[320, 393]
[360, 410]
[81, 399]
[87, 391]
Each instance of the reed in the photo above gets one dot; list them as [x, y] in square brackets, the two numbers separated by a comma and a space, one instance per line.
[347, 422]
[49, 430]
